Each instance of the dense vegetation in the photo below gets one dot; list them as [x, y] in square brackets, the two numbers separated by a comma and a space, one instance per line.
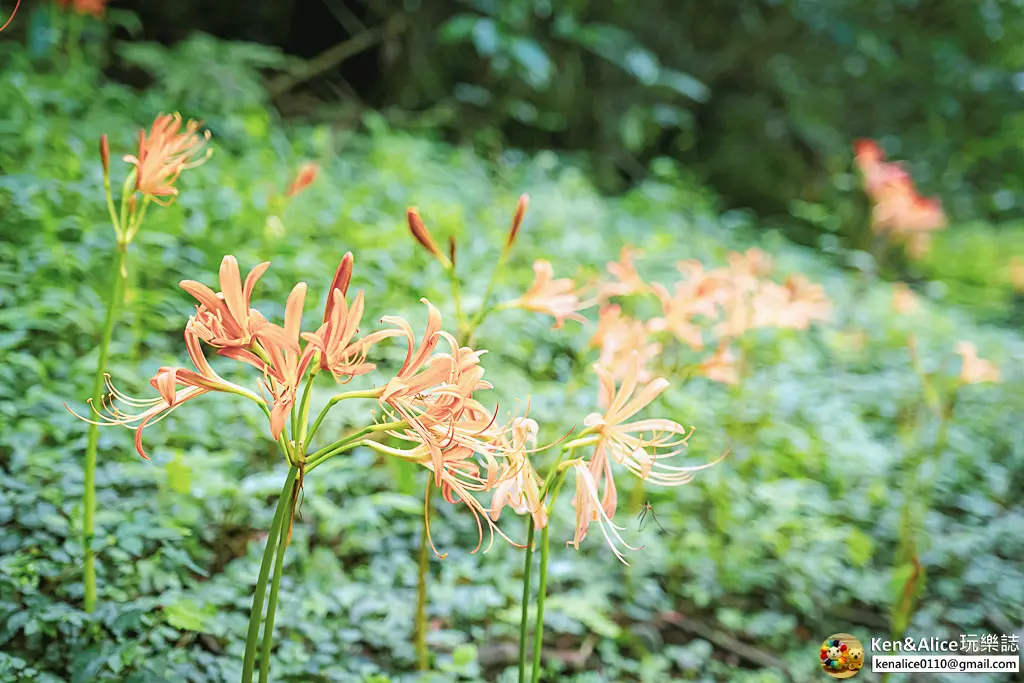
[792, 538]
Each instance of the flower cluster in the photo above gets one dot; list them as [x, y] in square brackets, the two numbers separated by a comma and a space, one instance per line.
[899, 212]
[707, 308]
[431, 400]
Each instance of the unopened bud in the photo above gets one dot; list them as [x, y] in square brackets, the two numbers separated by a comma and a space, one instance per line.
[517, 219]
[342, 278]
[422, 235]
[451, 250]
[105, 154]
[303, 179]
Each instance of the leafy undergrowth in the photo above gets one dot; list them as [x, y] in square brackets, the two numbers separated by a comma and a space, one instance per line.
[789, 540]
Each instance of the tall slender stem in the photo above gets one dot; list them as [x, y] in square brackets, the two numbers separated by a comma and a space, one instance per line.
[89, 494]
[525, 618]
[275, 587]
[542, 584]
[248, 663]
[422, 654]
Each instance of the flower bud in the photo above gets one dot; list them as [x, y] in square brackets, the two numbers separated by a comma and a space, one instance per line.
[303, 179]
[451, 250]
[422, 235]
[517, 220]
[105, 154]
[342, 278]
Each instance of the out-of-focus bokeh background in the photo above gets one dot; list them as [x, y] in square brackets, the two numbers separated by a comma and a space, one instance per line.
[687, 130]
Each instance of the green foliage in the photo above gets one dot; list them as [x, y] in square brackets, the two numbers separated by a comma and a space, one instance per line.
[793, 537]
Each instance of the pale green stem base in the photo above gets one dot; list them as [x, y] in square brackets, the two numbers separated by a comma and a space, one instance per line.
[422, 654]
[525, 618]
[283, 503]
[92, 443]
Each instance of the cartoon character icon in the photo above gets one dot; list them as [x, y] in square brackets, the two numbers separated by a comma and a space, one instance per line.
[834, 655]
[856, 658]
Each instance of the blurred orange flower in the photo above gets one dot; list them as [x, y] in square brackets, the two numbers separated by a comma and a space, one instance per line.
[165, 153]
[904, 301]
[304, 178]
[627, 280]
[721, 366]
[557, 298]
[619, 337]
[93, 7]
[975, 370]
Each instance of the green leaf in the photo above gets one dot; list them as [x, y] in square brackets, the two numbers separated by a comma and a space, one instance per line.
[187, 616]
[859, 547]
[458, 29]
[463, 655]
[179, 477]
[534, 60]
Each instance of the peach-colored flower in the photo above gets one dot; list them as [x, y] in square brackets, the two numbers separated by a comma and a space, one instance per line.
[721, 366]
[224, 319]
[975, 370]
[642, 447]
[557, 298]
[701, 293]
[93, 7]
[340, 353]
[877, 172]
[304, 178]
[1017, 273]
[793, 305]
[142, 412]
[519, 485]
[432, 389]
[904, 301]
[750, 265]
[165, 153]
[618, 337]
[627, 280]
[288, 362]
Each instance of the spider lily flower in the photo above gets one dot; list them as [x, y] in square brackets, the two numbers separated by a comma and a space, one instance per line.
[339, 353]
[141, 413]
[225, 319]
[557, 298]
[627, 280]
[641, 446]
[432, 389]
[457, 472]
[701, 293]
[721, 366]
[519, 485]
[618, 337]
[287, 361]
[975, 370]
[589, 509]
[304, 178]
[795, 304]
[878, 173]
[165, 153]
[753, 263]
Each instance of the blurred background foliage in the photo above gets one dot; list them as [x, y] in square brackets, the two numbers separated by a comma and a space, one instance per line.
[686, 130]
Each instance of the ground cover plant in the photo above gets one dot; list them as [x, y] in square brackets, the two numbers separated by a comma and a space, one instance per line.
[799, 532]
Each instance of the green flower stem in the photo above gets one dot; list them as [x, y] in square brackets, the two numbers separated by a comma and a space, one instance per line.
[307, 393]
[348, 443]
[283, 503]
[457, 296]
[484, 309]
[525, 618]
[542, 583]
[89, 494]
[422, 654]
[275, 587]
[371, 393]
